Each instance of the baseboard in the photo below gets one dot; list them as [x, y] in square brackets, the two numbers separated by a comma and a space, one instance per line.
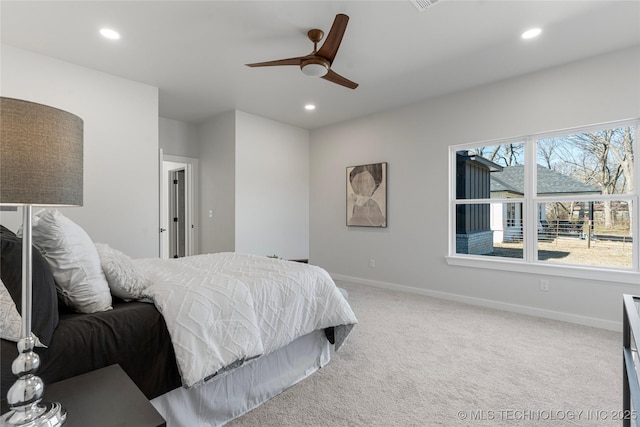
[522, 309]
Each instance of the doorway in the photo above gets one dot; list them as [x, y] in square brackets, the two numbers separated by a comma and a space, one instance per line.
[177, 211]
[177, 206]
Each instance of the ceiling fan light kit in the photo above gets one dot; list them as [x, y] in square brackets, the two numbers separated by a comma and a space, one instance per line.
[315, 67]
[318, 63]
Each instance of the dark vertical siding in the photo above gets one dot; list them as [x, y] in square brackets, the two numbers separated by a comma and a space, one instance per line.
[472, 182]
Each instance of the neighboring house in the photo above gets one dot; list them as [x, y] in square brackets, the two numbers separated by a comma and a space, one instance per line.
[479, 226]
[473, 221]
[506, 218]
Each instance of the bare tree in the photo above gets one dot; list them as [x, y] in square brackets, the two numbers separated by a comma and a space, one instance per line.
[547, 151]
[607, 162]
[504, 155]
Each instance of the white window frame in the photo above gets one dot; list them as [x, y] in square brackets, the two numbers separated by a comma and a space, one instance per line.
[529, 263]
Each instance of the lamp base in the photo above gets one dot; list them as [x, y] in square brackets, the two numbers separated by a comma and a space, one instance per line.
[41, 414]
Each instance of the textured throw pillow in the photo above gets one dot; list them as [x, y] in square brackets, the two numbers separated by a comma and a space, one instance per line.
[10, 321]
[125, 280]
[74, 261]
[44, 313]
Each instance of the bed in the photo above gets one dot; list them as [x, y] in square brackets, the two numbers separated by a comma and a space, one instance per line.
[206, 338]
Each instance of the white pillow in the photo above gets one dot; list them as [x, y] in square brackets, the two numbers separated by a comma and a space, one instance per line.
[74, 261]
[10, 319]
[125, 280]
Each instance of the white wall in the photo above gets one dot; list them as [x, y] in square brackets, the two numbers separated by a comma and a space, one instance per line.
[254, 176]
[272, 187]
[179, 138]
[410, 253]
[120, 145]
[217, 183]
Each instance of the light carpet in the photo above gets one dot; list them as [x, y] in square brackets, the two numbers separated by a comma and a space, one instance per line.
[420, 361]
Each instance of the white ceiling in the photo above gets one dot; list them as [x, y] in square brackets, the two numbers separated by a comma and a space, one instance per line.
[195, 51]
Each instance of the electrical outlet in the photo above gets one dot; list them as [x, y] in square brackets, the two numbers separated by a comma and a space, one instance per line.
[372, 263]
[544, 285]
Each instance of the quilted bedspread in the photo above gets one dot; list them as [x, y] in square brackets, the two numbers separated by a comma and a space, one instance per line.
[226, 308]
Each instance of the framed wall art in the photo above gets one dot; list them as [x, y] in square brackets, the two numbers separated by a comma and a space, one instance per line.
[367, 195]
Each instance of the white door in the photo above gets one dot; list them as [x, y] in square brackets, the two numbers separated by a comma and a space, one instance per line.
[177, 206]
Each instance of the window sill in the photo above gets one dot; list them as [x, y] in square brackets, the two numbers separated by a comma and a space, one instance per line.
[579, 272]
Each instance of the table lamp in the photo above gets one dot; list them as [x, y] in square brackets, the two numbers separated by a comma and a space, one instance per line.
[41, 161]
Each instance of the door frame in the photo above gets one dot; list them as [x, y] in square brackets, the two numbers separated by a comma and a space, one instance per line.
[169, 162]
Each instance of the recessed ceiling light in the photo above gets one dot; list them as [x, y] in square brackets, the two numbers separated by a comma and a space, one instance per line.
[531, 33]
[110, 34]
[309, 107]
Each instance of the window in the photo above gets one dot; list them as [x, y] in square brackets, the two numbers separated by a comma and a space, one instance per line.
[512, 217]
[564, 199]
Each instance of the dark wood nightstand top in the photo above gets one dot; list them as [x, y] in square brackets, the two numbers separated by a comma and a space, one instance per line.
[104, 397]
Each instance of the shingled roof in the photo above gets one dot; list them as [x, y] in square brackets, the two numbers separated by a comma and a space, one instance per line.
[511, 179]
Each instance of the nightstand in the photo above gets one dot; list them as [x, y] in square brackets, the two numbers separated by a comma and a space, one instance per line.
[105, 397]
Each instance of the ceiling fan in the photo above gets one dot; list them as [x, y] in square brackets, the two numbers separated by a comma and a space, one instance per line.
[318, 63]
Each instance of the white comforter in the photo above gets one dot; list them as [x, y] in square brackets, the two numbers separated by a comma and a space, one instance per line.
[222, 309]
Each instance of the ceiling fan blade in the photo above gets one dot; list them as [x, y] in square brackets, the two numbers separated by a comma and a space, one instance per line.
[334, 77]
[332, 43]
[288, 61]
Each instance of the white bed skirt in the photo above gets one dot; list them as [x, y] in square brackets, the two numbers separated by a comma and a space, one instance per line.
[239, 391]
